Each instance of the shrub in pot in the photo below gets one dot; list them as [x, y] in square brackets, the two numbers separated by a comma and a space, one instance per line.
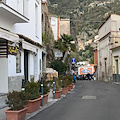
[64, 85]
[69, 81]
[16, 101]
[33, 92]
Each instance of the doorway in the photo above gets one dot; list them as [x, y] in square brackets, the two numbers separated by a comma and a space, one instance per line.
[26, 64]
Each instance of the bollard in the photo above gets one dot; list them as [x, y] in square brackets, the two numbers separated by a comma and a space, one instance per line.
[53, 87]
[61, 84]
[23, 84]
[42, 91]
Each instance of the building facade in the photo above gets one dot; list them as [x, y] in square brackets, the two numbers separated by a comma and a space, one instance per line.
[107, 33]
[21, 33]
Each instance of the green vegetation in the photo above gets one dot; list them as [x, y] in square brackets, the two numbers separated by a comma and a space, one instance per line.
[85, 15]
[16, 100]
[32, 89]
[64, 43]
[59, 66]
[87, 54]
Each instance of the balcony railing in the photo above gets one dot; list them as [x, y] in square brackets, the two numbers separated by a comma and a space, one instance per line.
[11, 11]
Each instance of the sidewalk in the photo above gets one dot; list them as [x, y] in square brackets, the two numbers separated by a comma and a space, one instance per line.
[29, 115]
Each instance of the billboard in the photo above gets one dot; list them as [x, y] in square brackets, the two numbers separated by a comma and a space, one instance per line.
[85, 70]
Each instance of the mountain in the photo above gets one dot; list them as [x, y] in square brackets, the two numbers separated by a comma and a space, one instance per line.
[85, 15]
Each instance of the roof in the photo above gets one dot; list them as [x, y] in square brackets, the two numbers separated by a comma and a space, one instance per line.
[30, 40]
[106, 20]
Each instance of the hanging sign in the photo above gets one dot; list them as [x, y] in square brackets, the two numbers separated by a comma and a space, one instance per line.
[12, 50]
[58, 54]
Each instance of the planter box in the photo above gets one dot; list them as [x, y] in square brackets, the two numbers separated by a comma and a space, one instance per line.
[34, 105]
[45, 98]
[64, 91]
[16, 115]
[57, 94]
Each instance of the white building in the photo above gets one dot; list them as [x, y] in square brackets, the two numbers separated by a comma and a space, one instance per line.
[54, 22]
[22, 17]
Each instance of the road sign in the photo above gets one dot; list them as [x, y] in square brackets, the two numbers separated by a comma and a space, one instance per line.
[73, 60]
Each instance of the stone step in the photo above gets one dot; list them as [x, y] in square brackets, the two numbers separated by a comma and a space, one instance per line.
[3, 97]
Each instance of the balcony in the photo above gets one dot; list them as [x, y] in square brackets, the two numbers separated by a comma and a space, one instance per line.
[12, 15]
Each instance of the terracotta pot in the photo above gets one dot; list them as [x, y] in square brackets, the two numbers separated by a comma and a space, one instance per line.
[69, 87]
[57, 94]
[72, 85]
[34, 105]
[45, 98]
[16, 115]
[64, 91]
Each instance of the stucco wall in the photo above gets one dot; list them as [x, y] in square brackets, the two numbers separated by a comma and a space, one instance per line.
[3, 75]
[64, 27]
[15, 83]
[104, 54]
[29, 29]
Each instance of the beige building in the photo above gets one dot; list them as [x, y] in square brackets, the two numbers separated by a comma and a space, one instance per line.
[59, 26]
[64, 26]
[108, 36]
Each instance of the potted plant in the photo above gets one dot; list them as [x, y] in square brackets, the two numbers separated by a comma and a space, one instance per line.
[33, 92]
[64, 85]
[57, 88]
[69, 82]
[16, 101]
[46, 91]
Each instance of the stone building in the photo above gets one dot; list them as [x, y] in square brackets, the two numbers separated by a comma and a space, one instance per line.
[108, 34]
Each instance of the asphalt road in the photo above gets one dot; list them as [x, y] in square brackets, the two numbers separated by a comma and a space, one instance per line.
[90, 100]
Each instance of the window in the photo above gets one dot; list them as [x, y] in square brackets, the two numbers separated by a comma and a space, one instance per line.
[36, 19]
[53, 22]
[18, 62]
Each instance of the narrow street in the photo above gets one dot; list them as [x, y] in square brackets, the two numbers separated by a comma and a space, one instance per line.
[90, 100]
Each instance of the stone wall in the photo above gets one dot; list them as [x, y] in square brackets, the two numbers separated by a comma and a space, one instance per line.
[15, 83]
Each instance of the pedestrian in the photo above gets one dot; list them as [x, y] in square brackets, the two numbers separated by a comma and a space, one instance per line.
[74, 78]
[88, 76]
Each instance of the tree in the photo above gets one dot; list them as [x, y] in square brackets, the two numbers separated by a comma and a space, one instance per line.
[64, 43]
[59, 66]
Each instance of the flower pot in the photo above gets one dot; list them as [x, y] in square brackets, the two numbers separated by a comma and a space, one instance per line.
[69, 87]
[34, 105]
[72, 85]
[16, 115]
[64, 91]
[45, 98]
[57, 94]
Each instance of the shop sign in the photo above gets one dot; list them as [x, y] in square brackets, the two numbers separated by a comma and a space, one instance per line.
[12, 50]
[58, 54]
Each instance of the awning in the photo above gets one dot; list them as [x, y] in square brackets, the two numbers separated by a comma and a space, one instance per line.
[28, 46]
[30, 40]
[7, 35]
